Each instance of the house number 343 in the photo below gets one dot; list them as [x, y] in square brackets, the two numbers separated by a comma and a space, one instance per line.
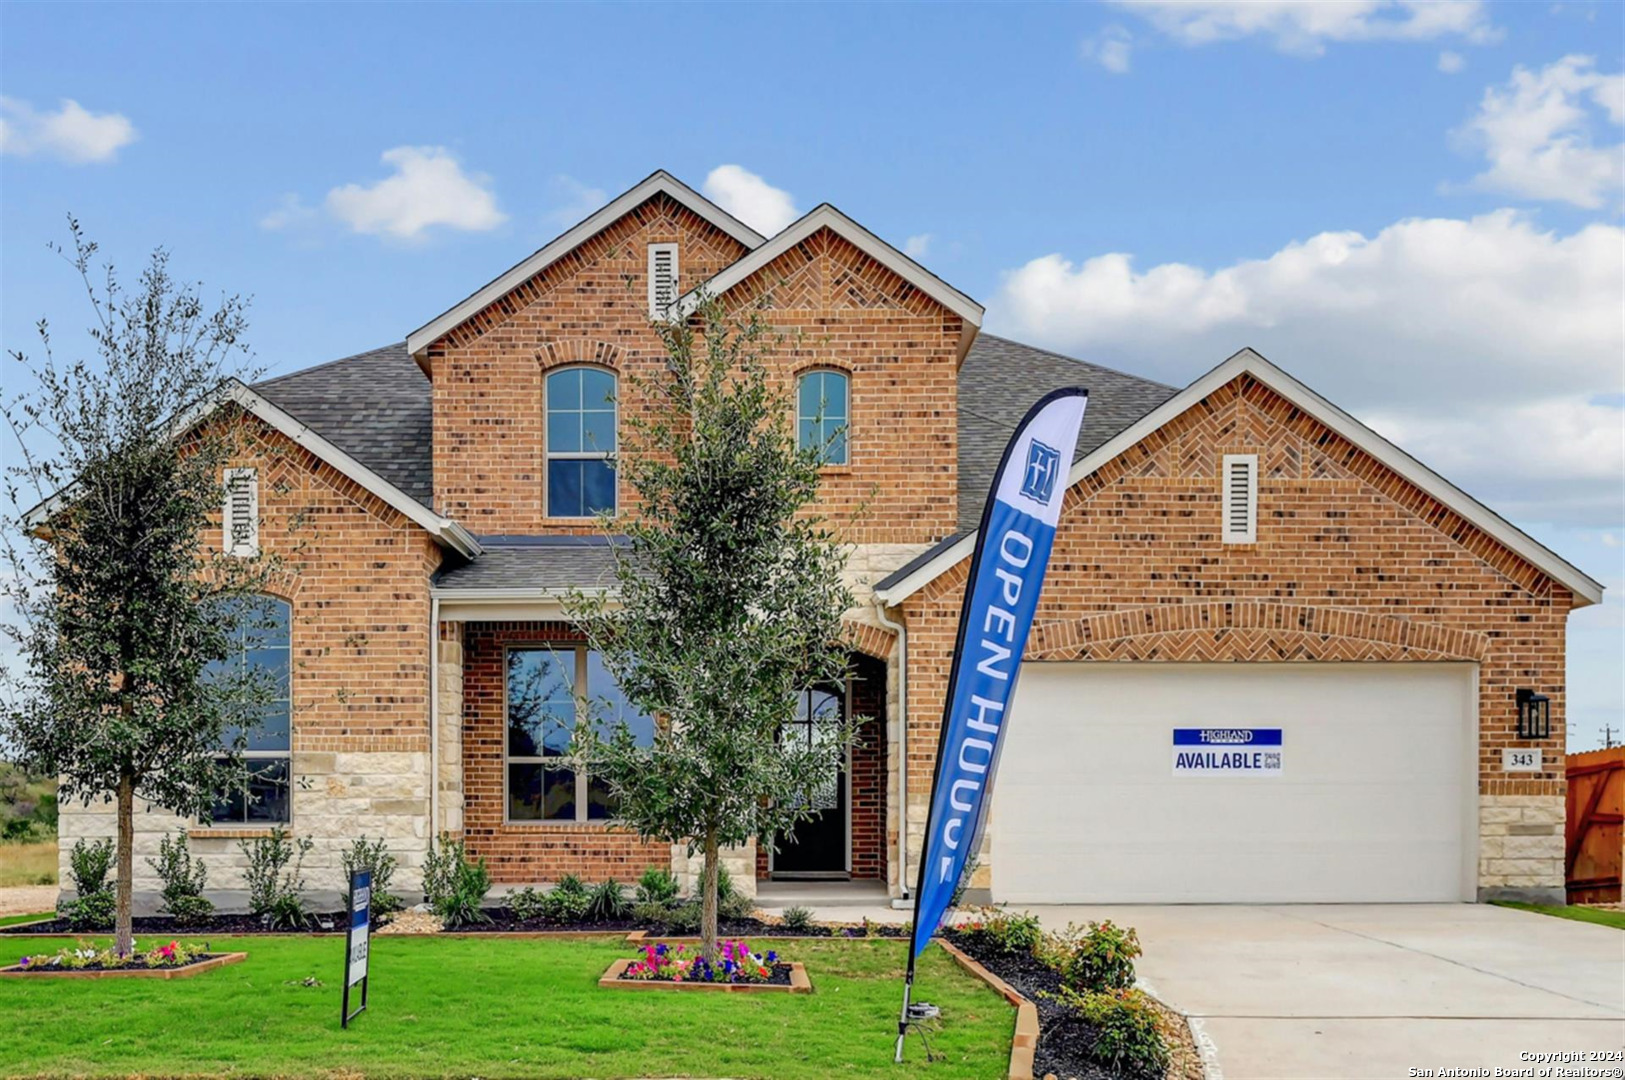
[1520, 759]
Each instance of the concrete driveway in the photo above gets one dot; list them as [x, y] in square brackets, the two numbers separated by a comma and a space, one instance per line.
[1377, 990]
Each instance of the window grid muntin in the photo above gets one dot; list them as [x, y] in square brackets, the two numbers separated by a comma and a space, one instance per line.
[556, 403]
[829, 432]
[284, 704]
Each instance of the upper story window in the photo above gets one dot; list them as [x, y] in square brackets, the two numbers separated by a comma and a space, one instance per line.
[549, 689]
[580, 442]
[821, 414]
[264, 645]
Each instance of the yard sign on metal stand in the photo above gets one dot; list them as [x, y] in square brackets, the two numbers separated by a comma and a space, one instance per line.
[356, 940]
[1001, 595]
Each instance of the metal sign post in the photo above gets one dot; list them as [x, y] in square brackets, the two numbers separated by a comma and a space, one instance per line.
[356, 939]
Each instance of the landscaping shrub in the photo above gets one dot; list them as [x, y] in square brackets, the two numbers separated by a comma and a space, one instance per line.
[526, 904]
[454, 887]
[1097, 957]
[736, 906]
[184, 880]
[607, 902]
[649, 913]
[798, 919]
[1128, 1031]
[96, 902]
[669, 919]
[1006, 933]
[377, 859]
[657, 885]
[568, 900]
[275, 877]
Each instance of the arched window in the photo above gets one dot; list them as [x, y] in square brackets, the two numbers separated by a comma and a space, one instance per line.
[580, 403]
[264, 646]
[821, 414]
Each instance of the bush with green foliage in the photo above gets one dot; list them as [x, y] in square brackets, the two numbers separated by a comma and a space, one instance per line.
[184, 879]
[797, 919]
[375, 858]
[1128, 1031]
[525, 904]
[276, 879]
[454, 887]
[1098, 956]
[28, 806]
[95, 903]
[607, 902]
[657, 885]
[681, 918]
[1006, 933]
[567, 901]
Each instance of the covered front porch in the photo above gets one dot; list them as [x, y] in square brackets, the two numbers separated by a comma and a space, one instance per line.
[511, 672]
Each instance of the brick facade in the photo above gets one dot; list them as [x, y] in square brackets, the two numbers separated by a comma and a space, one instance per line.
[1352, 563]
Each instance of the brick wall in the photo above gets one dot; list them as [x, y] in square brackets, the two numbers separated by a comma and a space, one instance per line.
[532, 852]
[358, 584]
[869, 769]
[830, 306]
[1352, 563]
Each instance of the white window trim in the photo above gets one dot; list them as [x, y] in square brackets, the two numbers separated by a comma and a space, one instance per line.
[1248, 464]
[241, 539]
[577, 455]
[657, 308]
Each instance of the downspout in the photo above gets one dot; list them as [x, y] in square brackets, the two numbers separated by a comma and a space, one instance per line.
[434, 717]
[902, 749]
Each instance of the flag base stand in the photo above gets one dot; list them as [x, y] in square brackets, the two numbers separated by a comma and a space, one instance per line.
[918, 1015]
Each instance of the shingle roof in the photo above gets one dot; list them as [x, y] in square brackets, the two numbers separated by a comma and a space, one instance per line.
[999, 381]
[545, 563]
[374, 406]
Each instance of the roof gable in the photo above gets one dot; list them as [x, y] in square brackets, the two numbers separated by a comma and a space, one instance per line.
[659, 183]
[932, 564]
[826, 216]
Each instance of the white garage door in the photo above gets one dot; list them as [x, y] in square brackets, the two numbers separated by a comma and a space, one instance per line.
[1375, 801]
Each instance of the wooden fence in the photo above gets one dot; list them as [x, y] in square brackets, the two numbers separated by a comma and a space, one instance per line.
[1595, 849]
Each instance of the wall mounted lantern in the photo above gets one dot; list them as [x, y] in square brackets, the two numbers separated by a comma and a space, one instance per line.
[1534, 715]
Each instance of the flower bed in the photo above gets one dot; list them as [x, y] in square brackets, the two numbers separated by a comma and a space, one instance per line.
[679, 967]
[172, 960]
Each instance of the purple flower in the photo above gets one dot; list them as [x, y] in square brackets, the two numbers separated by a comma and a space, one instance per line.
[771, 956]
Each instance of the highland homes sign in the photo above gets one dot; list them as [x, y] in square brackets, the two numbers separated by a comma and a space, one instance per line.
[357, 942]
[1227, 751]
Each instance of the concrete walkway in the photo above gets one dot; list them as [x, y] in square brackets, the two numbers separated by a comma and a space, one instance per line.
[1376, 990]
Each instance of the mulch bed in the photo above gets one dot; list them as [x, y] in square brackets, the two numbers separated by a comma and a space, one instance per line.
[502, 921]
[1064, 1039]
[140, 969]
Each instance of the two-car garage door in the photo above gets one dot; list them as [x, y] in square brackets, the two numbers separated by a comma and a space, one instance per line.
[1375, 798]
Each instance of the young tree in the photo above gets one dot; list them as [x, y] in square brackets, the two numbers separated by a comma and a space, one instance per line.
[727, 602]
[124, 619]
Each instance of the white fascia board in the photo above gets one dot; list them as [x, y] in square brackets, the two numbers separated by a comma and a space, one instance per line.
[444, 530]
[826, 216]
[1586, 589]
[660, 183]
[500, 605]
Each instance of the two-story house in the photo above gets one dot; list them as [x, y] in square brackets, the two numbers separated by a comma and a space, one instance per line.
[1236, 554]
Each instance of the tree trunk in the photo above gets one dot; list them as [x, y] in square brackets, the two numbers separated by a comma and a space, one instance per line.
[708, 898]
[122, 930]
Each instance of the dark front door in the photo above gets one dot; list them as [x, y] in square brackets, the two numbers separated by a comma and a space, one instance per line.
[817, 846]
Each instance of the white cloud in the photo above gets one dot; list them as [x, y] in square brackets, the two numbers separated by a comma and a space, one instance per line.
[577, 201]
[1303, 27]
[290, 211]
[917, 247]
[72, 133]
[749, 198]
[1487, 346]
[1451, 63]
[1112, 49]
[1536, 132]
[429, 188]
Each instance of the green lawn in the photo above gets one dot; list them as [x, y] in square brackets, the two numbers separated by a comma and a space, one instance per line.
[1601, 917]
[493, 1008]
[12, 920]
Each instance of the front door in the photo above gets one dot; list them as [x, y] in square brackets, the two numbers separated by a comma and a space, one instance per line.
[817, 847]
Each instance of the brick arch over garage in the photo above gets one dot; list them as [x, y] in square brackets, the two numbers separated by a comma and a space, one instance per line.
[1250, 631]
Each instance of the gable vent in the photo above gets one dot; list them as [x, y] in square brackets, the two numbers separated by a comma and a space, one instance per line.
[241, 517]
[1241, 498]
[662, 279]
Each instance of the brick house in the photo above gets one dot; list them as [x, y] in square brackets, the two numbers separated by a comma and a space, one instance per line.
[1233, 553]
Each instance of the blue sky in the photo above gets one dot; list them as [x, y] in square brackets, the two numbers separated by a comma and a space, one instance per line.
[1416, 209]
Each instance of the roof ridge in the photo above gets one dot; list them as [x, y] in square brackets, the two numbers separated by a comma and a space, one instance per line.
[330, 363]
[1077, 360]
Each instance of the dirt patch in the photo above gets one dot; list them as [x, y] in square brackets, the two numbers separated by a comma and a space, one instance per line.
[27, 899]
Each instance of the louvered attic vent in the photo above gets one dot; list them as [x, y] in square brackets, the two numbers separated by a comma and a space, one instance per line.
[662, 279]
[1241, 498]
[241, 516]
